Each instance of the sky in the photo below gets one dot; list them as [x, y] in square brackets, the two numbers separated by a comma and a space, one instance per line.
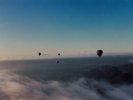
[71, 27]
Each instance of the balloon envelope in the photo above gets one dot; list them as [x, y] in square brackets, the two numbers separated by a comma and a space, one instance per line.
[58, 54]
[99, 53]
[57, 62]
[39, 53]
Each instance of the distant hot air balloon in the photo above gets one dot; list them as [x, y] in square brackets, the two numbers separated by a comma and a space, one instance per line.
[99, 53]
[57, 62]
[58, 54]
[39, 53]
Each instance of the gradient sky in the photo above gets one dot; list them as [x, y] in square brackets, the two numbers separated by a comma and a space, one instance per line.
[72, 27]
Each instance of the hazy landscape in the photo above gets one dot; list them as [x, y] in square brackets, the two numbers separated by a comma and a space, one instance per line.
[107, 78]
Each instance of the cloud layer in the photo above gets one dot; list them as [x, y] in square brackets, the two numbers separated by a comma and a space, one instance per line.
[18, 87]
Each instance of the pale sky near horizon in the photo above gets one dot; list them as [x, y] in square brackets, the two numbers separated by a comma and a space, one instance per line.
[72, 27]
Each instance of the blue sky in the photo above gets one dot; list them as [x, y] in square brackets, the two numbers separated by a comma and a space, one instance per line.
[72, 27]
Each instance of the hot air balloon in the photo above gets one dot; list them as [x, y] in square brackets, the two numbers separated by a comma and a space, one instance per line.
[58, 54]
[57, 62]
[39, 53]
[99, 53]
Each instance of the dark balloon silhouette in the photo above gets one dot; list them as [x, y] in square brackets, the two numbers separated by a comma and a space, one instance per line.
[99, 53]
[58, 54]
[39, 53]
[57, 62]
